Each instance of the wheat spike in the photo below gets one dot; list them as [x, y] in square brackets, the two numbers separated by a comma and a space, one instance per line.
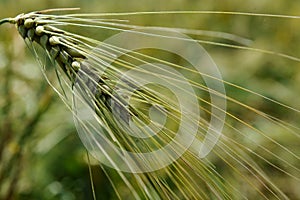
[121, 116]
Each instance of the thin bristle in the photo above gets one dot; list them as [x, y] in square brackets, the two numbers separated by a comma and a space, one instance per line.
[57, 10]
[186, 12]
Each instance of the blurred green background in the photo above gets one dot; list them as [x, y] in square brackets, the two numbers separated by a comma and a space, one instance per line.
[41, 156]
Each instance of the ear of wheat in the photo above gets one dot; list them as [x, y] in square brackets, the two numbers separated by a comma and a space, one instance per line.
[128, 117]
